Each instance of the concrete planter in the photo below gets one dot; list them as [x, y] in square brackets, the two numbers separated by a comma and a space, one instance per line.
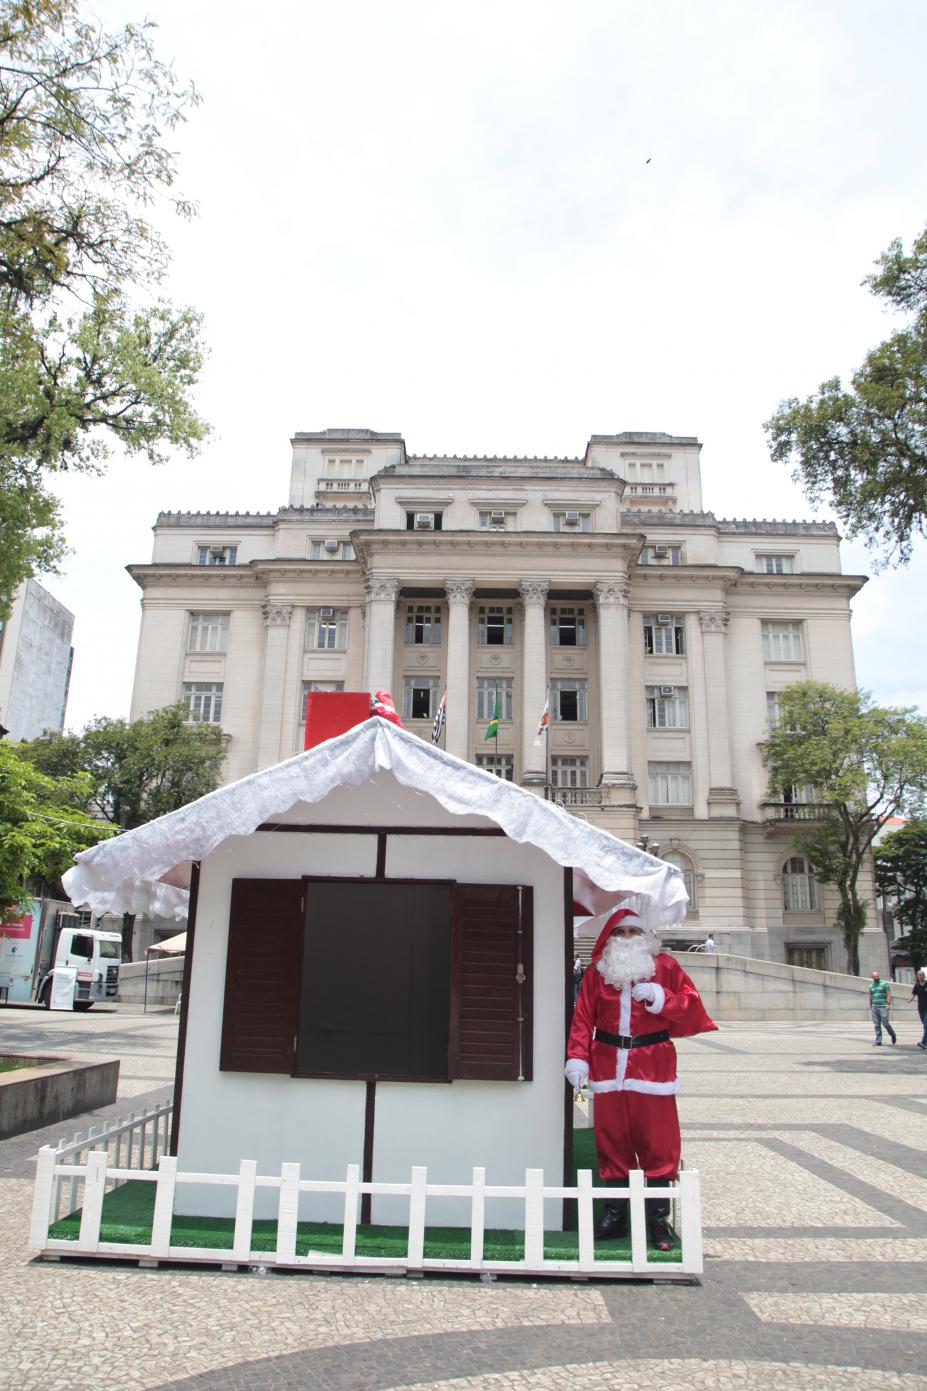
[32, 1097]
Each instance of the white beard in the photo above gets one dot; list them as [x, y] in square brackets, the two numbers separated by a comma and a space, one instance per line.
[624, 960]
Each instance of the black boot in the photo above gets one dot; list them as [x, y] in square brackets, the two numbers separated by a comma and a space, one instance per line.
[614, 1221]
[658, 1211]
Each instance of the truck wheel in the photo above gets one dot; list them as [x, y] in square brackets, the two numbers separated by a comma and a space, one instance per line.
[84, 1005]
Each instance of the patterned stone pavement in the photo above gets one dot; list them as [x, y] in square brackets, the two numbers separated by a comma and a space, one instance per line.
[811, 1150]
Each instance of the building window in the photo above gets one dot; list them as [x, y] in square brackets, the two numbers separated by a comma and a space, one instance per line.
[794, 798]
[419, 697]
[799, 891]
[496, 520]
[567, 626]
[782, 642]
[331, 549]
[487, 688]
[502, 765]
[664, 635]
[494, 625]
[773, 708]
[657, 554]
[568, 699]
[775, 564]
[315, 686]
[209, 632]
[670, 784]
[423, 625]
[327, 629]
[216, 555]
[569, 772]
[571, 521]
[424, 521]
[683, 863]
[667, 707]
[203, 700]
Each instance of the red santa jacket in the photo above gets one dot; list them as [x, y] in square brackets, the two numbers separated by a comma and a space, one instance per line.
[652, 1068]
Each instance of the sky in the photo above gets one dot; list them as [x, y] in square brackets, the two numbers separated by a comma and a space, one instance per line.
[500, 228]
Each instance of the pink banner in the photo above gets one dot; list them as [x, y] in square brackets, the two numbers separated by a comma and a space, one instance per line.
[19, 927]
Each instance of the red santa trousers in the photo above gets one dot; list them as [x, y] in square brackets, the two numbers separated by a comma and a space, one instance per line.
[636, 1130]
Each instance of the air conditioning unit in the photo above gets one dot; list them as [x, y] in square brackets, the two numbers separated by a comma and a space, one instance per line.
[326, 613]
[667, 690]
[217, 550]
[659, 552]
[424, 521]
[331, 544]
[664, 620]
[497, 519]
[571, 519]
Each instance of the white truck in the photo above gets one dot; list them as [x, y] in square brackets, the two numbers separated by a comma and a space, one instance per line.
[94, 955]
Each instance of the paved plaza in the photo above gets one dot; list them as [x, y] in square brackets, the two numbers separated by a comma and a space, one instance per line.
[811, 1145]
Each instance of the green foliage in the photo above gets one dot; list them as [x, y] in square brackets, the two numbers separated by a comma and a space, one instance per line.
[43, 823]
[901, 878]
[82, 117]
[865, 763]
[864, 450]
[134, 771]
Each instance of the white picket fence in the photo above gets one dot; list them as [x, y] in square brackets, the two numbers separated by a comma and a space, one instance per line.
[136, 1143]
[97, 1173]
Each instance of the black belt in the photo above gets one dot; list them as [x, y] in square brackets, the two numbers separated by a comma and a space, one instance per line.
[639, 1040]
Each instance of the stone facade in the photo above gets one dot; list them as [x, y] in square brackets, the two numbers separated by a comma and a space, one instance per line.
[657, 633]
[35, 663]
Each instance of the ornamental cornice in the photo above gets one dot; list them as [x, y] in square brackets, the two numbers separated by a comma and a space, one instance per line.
[533, 593]
[681, 575]
[802, 584]
[193, 576]
[586, 546]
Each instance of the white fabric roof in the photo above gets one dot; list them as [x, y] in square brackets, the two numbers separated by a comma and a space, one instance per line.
[172, 945]
[142, 871]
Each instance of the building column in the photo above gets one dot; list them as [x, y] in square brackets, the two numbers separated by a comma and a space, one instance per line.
[614, 701]
[276, 635]
[380, 636]
[534, 682]
[457, 729]
[723, 798]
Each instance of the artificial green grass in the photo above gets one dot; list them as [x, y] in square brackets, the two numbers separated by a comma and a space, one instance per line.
[14, 1064]
[128, 1212]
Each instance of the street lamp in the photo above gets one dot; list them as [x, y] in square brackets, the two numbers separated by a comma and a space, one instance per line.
[648, 846]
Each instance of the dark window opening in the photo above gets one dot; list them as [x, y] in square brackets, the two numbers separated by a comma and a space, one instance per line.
[82, 945]
[569, 705]
[421, 702]
[391, 1019]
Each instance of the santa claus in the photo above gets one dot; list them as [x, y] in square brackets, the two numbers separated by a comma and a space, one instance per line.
[633, 1001]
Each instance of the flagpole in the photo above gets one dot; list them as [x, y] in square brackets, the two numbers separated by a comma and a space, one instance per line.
[547, 746]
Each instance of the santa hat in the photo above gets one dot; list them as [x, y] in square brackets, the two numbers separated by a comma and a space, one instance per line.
[630, 918]
[381, 703]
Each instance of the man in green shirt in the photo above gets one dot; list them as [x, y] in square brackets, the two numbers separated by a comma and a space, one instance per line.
[880, 998]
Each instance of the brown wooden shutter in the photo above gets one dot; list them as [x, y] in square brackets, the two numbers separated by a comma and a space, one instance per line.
[261, 1013]
[491, 939]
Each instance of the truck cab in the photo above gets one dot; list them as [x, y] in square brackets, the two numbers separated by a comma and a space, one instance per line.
[94, 955]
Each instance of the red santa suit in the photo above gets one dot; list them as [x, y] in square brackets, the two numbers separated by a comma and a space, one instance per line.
[636, 1124]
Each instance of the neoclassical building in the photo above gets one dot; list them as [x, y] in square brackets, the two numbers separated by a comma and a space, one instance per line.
[656, 636]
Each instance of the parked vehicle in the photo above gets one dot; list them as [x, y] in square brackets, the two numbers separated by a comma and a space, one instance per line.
[94, 955]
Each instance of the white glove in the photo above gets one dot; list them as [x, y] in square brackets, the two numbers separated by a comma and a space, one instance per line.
[644, 992]
[577, 1073]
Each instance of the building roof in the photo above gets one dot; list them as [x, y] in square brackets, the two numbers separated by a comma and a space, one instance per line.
[143, 871]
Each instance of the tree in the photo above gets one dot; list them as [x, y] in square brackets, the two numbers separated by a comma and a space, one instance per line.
[42, 825]
[901, 878]
[82, 366]
[865, 762]
[135, 770]
[864, 450]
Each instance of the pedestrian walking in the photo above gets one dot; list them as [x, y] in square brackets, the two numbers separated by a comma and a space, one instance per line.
[880, 1000]
[919, 993]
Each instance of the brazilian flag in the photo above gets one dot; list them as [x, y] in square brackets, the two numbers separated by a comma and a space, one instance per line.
[493, 727]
